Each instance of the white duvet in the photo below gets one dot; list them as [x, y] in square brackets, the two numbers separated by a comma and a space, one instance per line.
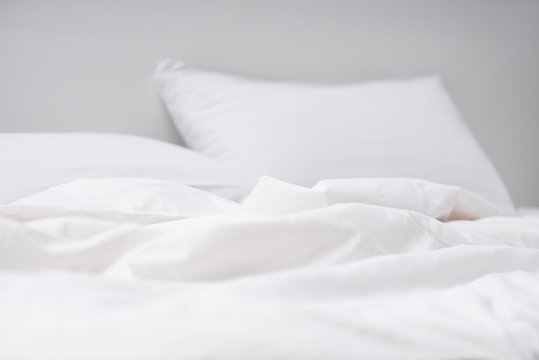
[350, 269]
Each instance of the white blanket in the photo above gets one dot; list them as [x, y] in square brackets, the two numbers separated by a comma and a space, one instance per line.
[350, 269]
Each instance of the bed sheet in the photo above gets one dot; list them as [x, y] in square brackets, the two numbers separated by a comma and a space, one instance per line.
[348, 269]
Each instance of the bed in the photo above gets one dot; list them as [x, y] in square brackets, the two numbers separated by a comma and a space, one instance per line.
[330, 272]
[279, 219]
[123, 247]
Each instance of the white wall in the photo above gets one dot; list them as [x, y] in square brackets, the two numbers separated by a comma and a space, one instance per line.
[86, 65]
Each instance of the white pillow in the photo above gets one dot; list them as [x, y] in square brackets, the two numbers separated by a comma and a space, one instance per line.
[30, 163]
[302, 133]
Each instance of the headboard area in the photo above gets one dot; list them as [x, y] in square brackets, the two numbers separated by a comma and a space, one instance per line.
[73, 66]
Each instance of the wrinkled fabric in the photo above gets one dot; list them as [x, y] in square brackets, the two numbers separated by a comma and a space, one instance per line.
[348, 269]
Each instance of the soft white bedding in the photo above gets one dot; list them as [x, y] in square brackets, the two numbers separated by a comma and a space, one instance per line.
[306, 132]
[350, 269]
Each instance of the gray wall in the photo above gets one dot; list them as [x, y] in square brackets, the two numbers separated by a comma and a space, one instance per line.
[86, 65]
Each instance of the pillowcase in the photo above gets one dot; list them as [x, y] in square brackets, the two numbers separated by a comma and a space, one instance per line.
[30, 163]
[303, 133]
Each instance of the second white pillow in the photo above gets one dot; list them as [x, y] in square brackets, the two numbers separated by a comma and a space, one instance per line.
[303, 133]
